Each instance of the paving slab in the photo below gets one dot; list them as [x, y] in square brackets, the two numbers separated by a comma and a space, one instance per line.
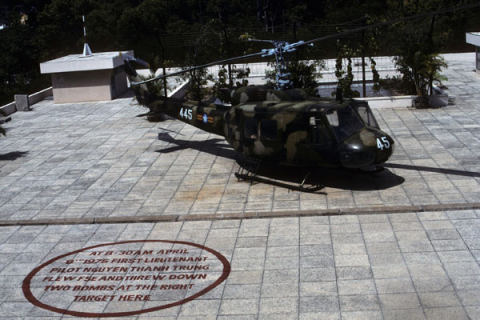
[237, 269]
[98, 160]
[102, 215]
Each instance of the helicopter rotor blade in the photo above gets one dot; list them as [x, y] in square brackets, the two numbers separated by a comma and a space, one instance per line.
[287, 47]
[199, 67]
[386, 23]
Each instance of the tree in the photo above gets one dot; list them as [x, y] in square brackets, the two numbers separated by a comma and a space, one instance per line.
[417, 57]
[345, 77]
[19, 69]
[419, 68]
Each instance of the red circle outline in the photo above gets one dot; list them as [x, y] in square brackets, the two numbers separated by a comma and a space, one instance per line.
[31, 298]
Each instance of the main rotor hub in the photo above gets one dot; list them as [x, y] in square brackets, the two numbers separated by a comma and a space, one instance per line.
[282, 76]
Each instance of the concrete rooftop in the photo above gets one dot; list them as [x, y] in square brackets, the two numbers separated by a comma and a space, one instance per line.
[78, 62]
[473, 38]
[403, 244]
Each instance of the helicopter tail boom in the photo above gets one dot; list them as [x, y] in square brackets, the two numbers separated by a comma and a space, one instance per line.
[142, 92]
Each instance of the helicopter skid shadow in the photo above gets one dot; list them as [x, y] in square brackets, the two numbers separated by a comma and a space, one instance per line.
[336, 178]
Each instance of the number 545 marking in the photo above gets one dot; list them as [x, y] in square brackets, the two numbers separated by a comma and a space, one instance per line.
[186, 113]
[383, 143]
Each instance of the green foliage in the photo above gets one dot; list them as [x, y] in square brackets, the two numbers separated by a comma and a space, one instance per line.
[418, 57]
[164, 30]
[419, 69]
[304, 75]
[375, 75]
[198, 55]
[154, 87]
[222, 78]
[345, 76]
[240, 76]
[197, 89]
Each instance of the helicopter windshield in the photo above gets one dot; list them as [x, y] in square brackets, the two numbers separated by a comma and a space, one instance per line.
[366, 114]
[344, 122]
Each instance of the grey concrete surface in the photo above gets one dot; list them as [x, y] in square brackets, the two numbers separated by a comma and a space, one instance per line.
[98, 160]
[396, 266]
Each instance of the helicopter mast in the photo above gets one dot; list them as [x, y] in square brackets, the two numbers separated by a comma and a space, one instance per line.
[282, 76]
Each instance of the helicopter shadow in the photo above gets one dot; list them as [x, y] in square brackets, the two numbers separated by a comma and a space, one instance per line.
[216, 147]
[14, 155]
[432, 169]
[337, 178]
[293, 175]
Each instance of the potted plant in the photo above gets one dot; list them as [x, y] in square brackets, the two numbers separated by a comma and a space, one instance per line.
[420, 69]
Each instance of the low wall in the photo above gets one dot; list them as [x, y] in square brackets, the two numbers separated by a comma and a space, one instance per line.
[39, 96]
[10, 108]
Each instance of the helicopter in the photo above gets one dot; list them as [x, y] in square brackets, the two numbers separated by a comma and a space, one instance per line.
[281, 125]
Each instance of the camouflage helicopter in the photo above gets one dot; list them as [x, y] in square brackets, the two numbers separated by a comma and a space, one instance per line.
[282, 125]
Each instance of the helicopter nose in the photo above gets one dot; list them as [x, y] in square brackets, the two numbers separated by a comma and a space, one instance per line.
[365, 148]
[385, 147]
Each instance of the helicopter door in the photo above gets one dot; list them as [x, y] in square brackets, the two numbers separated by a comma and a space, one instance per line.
[322, 146]
[232, 131]
[251, 129]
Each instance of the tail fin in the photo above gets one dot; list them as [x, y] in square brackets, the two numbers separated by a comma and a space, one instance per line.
[142, 92]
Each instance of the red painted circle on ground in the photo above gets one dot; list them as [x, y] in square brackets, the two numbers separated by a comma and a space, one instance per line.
[27, 290]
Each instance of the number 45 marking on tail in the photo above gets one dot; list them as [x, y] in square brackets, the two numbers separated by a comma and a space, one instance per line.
[383, 143]
[186, 113]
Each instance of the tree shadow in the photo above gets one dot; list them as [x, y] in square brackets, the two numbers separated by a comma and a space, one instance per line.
[14, 155]
[294, 175]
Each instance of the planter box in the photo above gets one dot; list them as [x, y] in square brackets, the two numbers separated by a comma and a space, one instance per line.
[389, 102]
[438, 100]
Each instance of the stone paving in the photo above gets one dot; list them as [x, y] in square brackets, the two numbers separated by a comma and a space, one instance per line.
[98, 160]
[397, 266]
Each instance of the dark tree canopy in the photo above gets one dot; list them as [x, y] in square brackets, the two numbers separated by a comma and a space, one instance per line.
[180, 32]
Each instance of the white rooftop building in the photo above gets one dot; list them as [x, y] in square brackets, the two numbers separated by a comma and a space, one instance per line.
[474, 38]
[80, 78]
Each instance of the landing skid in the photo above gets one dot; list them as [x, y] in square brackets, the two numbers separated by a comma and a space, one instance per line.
[300, 187]
[372, 169]
[248, 172]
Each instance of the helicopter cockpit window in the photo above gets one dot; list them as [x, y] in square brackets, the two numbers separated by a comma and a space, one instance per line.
[268, 129]
[344, 122]
[319, 132]
[333, 119]
[367, 115]
[250, 129]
